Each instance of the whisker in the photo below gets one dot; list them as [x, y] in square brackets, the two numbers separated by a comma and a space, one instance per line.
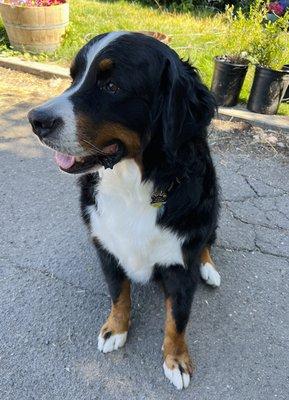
[93, 146]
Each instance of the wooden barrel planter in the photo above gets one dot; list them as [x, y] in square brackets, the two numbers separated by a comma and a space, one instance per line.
[35, 29]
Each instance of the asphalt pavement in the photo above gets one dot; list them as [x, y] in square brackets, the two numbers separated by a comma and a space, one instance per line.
[53, 298]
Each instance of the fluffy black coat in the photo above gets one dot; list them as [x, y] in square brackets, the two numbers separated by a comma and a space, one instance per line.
[175, 149]
[133, 98]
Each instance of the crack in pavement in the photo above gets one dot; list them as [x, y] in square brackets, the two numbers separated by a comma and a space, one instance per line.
[269, 253]
[52, 276]
[254, 224]
[257, 249]
[250, 185]
[263, 183]
[255, 197]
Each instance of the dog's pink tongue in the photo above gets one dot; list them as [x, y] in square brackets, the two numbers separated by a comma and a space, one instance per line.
[64, 160]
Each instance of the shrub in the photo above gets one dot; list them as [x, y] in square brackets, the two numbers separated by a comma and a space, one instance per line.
[264, 42]
[189, 5]
[269, 45]
[270, 48]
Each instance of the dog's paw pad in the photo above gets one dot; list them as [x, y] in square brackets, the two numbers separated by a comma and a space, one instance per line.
[177, 376]
[210, 275]
[108, 342]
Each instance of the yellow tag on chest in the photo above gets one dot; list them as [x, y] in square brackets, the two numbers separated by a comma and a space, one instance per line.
[158, 199]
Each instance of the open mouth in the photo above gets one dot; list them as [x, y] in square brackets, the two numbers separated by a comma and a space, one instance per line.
[107, 157]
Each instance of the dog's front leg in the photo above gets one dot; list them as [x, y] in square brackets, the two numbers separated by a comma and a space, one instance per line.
[179, 285]
[113, 333]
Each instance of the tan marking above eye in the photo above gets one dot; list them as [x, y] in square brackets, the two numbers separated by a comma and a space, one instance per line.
[105, 64]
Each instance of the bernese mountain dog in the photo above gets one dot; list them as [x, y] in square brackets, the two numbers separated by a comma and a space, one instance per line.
[133, 124]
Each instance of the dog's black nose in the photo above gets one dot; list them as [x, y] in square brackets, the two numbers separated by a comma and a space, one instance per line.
[43, 123]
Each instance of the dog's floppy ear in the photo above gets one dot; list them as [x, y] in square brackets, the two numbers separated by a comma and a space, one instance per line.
[188, 106]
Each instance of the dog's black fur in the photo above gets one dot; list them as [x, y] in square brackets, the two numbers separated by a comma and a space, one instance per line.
[174, 129]
[162, 99]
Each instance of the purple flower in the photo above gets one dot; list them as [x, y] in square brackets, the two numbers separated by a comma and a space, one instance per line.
[276, 8]
[34, 3]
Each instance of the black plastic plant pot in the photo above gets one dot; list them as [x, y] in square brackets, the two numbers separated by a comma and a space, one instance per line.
[267, 91]
[228, 79]
[286, 95]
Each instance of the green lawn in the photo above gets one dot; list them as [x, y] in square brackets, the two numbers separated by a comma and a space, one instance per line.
[194, 35]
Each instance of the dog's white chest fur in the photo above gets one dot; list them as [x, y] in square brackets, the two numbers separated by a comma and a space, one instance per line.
[125, 223]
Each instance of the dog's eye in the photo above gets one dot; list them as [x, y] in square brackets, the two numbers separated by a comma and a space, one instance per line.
[111, 87]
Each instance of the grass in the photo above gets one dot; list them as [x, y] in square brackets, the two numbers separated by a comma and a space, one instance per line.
[193, 35]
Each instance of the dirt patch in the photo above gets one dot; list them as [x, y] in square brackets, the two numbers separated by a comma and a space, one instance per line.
[16, 87]
[242, 136]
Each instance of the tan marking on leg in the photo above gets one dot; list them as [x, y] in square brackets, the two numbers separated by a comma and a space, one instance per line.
[175, 348]
[206, 257]
[208, 270]
[119, 318]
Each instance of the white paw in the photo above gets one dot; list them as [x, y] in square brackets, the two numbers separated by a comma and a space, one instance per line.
[179, 379]
[210, 275]
[113, 342]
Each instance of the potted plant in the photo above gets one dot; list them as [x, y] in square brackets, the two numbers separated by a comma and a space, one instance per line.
[268, 50]
[230, 69]
[228, 78]
[268, 89]
[35, 25]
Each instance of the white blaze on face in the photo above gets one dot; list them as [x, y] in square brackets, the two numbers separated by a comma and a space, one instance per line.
[62, 106]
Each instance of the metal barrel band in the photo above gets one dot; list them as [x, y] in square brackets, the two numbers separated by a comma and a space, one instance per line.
[38, 27]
